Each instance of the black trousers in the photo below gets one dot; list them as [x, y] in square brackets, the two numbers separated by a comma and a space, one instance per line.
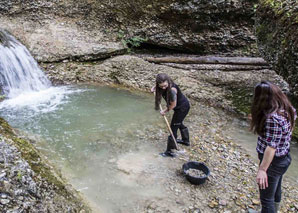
[177, 119]
[275, 172]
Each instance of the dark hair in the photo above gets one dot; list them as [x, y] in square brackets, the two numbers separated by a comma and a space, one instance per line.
[160, 78]
[268, 98]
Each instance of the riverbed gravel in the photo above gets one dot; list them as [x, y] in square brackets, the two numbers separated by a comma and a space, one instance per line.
[231, 186]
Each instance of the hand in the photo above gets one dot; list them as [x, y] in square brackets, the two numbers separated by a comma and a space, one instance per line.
[262, 179]
[163, 112]
[153, 89]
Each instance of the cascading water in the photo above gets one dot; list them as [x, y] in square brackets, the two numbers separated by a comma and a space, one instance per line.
[23, 83]
[19, 72]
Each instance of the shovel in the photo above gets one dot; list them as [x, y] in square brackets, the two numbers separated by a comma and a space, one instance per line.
[166, 120]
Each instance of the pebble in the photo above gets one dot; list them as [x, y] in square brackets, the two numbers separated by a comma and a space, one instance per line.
[3, 196]
[256, 202]
[2, 175]
[213, 204]
[4, 201]
[223, 202]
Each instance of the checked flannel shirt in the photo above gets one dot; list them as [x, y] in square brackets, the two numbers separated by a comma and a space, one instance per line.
[277, 135]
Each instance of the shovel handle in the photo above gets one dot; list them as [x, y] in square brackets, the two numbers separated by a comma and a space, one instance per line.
[169, 127]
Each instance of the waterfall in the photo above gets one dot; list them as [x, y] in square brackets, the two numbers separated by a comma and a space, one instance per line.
[19, 72]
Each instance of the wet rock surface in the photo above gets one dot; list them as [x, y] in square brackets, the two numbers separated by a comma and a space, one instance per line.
[24, 188]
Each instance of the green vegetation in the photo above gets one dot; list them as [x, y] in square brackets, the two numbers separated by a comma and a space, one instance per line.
[30, 154]
[19, 175]
[279, 7]
[294, 101]
[41, 168]
[241, 99]
[2, 97]
[275, 4]
[130, 42]
[295, 132]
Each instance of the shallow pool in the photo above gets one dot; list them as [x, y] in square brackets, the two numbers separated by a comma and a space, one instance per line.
[94, 134]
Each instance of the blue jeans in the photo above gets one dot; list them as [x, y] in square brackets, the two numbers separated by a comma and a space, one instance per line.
[275, 172]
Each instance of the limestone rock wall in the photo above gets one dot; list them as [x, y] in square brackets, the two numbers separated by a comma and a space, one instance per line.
[59, 30]
[277, 30]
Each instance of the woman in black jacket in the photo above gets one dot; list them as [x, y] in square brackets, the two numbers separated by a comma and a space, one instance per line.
[176, 101]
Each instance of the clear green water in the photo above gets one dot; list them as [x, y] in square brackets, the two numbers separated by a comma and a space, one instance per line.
[85, 135]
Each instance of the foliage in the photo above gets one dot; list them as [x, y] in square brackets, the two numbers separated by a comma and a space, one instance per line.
[19, 175]
[241, 99]
[131, 42]
[280, 7]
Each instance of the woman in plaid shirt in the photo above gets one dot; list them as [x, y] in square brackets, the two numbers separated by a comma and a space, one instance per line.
[273, 118]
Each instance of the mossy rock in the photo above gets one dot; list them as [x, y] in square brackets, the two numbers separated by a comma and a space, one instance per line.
[31, 155]
[241, 99]
[294, 101]
[41, 167]
[276, 30]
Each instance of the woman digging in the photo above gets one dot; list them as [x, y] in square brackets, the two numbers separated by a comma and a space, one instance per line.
[176, 101]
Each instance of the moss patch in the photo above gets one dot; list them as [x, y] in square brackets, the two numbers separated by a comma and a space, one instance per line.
[241, 99]
[294, 101]
[276, 30]
[31, 155]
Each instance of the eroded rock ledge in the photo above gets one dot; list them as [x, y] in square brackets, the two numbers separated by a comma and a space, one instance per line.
[217, 87]
[55, 30]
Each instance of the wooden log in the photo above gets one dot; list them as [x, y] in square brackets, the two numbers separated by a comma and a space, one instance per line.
[209, 60]
[222, 67]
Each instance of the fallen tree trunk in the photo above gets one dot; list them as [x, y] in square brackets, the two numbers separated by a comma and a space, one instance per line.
[209, 60]
[222, 67]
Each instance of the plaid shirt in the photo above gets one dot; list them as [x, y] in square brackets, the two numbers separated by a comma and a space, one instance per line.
[277, 135]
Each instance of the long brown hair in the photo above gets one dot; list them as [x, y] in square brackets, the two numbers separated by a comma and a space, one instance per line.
[268, 99]
[160, 78]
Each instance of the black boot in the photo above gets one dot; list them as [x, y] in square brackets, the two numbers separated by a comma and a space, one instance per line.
[185, 137]
[170, 146]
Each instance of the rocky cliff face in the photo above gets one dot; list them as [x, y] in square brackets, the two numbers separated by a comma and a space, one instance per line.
[59, 30]
[277, 30]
